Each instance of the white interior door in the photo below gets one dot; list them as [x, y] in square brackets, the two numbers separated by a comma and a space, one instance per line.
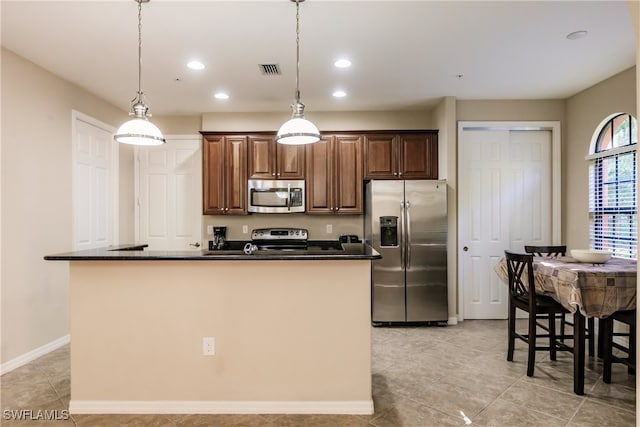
[94, 172]
[506, 200]
[170, 194]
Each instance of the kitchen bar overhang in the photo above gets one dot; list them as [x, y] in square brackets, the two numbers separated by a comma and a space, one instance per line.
[316, 250]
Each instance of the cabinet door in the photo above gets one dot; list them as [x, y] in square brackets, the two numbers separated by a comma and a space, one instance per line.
[261, 157]
[419, 156]
[269, 160]
[318, 176]
[290, 161]
[381, 158]
[236, 175]
[348, 174]
[213, 200]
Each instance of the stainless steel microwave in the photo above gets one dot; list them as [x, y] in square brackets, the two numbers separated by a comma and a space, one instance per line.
[276, 196]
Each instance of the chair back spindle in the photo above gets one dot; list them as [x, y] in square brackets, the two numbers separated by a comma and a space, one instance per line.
[520, 271]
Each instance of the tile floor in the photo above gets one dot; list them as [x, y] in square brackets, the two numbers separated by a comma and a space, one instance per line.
[428, 376]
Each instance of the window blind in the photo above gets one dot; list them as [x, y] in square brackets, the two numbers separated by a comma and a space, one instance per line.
[612, 204]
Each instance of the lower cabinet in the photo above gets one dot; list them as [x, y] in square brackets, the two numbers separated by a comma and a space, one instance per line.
[334, 175]
[224, 171]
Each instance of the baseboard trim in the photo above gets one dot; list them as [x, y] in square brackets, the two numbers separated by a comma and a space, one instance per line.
[33, 354]
[355, 407]
[452, 320]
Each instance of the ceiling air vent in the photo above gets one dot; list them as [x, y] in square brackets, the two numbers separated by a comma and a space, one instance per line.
[270, 69]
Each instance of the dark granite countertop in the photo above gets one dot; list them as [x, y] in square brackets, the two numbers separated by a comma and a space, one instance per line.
[318, 250]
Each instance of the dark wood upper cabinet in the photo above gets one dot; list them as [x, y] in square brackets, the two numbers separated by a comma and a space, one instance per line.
[334, 175]
[224, 172]
[334, 167]
[270, 160]
[404, 155]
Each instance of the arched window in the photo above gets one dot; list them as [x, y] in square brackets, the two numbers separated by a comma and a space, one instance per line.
[613, 204]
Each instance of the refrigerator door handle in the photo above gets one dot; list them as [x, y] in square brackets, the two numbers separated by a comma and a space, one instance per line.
[407, 209]
[402, 236]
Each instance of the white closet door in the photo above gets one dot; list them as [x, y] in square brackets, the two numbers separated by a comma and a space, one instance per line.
[92, 185]
[505, 202]
[170, 195]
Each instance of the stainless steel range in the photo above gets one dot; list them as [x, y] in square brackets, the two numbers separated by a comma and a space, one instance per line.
[280, 238]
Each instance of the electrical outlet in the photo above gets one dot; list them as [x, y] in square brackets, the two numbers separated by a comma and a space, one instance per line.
[208, 346]
[329, 228]
[210, 230]
[245, 229]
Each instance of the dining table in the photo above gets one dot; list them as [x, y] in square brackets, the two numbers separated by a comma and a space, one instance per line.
[586, 290]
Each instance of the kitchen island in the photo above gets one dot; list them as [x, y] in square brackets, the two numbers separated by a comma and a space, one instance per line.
[291, 331]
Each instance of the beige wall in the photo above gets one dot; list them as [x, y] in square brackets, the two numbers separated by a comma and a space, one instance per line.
[515, 110]
[178, 125]
[36, 200]
[137, 331]
[444, 116]
[584, 113]
[325, 121]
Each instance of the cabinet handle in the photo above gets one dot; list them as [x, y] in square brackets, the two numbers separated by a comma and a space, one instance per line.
[400, 173]
[273, 174]
[395, 174]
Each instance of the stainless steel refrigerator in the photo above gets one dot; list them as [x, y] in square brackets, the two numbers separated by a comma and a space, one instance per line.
[406, 221]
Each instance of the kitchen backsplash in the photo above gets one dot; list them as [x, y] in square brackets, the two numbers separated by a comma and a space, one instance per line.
[321, 227]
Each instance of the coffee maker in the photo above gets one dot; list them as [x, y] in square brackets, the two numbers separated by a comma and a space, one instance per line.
[219, 236]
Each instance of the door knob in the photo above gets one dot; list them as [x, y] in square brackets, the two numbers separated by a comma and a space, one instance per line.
[465, 249]
[195, 245]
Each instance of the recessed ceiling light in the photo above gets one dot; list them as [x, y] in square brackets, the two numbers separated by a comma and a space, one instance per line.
[195, 65]
[221, 95]
[577, 35]
[342, 63]
[339, 94]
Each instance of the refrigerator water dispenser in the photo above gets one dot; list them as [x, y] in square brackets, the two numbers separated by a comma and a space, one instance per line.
[388, 231]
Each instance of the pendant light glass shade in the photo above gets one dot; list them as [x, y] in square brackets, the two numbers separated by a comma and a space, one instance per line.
[139, 131]
[298, 130]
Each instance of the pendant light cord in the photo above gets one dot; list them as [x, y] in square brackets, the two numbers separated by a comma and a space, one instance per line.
[140, 49]
[297, 51]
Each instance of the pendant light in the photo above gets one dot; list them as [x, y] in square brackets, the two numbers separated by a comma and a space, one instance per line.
[298, 130]
[139, 130]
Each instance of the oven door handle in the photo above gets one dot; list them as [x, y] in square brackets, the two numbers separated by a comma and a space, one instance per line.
[289, 195]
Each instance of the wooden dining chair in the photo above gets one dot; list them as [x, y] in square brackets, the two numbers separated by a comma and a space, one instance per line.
[555, 251]
[539, 308]
[627, 317]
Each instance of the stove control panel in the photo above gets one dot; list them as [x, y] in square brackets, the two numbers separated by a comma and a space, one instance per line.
[279, 234]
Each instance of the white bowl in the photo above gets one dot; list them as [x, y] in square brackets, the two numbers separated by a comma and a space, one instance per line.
[593, 256]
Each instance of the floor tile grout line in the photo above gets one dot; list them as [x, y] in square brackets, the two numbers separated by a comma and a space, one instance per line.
[520, 379]
[575, 413]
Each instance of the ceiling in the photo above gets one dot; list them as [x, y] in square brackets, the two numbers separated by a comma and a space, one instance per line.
[406, 55]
